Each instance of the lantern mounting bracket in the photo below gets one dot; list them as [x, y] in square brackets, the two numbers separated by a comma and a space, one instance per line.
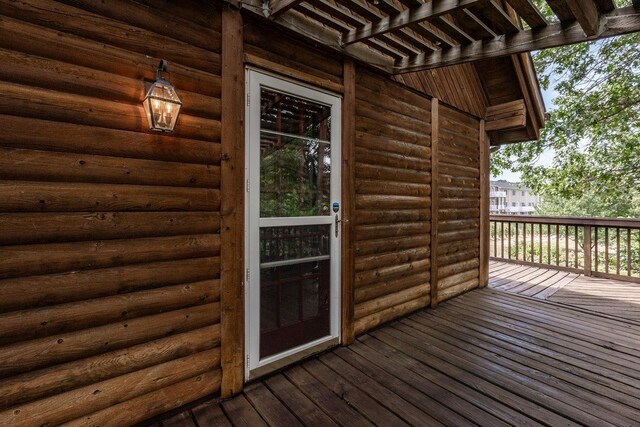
[163, 67]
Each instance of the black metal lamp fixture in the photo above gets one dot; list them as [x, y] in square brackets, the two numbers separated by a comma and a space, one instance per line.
[162, 104]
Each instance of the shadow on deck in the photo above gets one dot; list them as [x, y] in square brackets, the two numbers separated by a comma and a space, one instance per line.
[488, 357]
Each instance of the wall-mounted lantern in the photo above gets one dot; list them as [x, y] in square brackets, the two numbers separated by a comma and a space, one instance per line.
[161, 104]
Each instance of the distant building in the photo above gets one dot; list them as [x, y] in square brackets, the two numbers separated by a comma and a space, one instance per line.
[511, 198]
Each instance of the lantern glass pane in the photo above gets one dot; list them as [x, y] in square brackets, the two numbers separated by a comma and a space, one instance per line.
[162, 106]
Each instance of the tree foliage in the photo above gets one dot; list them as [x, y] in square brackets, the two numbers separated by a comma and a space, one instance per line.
[593, 127]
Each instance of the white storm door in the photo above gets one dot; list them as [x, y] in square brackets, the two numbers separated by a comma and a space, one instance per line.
[292, 218]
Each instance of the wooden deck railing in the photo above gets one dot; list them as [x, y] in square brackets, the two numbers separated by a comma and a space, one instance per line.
[601, 247]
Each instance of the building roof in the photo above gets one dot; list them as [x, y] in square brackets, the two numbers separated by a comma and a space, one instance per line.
[510, 185]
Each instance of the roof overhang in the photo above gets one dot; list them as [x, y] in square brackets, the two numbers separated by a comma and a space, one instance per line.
[405, 36]
[401, 36]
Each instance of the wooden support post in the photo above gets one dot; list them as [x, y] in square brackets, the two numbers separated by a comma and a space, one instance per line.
[348, 199]
[232, 204]
[484, 207]
[587, 250]
[435, 200]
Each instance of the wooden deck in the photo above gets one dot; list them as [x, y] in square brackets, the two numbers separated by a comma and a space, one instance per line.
[606, 296]
[488, 358]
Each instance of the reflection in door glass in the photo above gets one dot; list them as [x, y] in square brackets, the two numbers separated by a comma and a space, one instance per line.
[294, 305]
[295, 156]
[295, 242]
[294, 286]
[288, 114]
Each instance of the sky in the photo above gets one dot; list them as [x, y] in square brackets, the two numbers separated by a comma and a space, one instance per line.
[546, 158]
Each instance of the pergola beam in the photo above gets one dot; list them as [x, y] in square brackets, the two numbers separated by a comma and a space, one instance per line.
[278, 7]
[406, 18]
[528, 12]
[306, 27]
[620, 21]
[586, 13]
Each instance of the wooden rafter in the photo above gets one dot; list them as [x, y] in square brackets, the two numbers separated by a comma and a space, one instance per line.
[278, 7]
[401, 36]
[344, 15]
[315, 31]
[561, 10]
[586, 13]
[472, 24]
[411, 3]
[620, 21]
[528, 12]
[452, 30]
[406, 18]
[495, 17]
[409, 37]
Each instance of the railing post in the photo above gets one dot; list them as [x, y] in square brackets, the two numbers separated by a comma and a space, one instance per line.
[587, 250]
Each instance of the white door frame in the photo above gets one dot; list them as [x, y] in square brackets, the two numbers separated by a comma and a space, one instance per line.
[255, 79]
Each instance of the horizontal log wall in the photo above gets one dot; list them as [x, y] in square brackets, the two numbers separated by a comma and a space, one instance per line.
[392, 206]
[109, 242]
[110, 250]
[269, 49]
[458, 249]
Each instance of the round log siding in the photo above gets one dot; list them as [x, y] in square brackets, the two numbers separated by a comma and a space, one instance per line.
[119, 252]
[110, 234]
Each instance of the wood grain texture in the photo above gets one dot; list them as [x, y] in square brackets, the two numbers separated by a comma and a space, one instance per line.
[435, 197]
[348, 200]
[459, 212]
[618, 22]
[110, 250]
[486, 358]
[232, 205]
[484, 205]
[392, 200]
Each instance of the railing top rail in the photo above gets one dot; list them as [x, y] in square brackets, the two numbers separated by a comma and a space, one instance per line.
[569, 220]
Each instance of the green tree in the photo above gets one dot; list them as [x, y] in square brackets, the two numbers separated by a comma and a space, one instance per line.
[593, 127]
[591, 203]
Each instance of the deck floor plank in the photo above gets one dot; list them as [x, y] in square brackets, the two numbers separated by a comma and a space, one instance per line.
[210, 414]
[383, 395]
[535, 377]
[539, 402]
[242, 413]
[269, 407]
[499, 356]
[477, 336]
[297, 403]
[332, 404]
[606, 296]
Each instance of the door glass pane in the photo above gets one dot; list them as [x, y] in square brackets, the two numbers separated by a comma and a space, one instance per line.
[294, 286]
[283, 113]
[292, 243]
[295, 156]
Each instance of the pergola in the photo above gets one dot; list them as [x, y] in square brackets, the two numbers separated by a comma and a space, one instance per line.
[401, 36]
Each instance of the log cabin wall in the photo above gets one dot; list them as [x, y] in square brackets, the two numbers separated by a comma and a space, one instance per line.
[110, 251]
[280, 53]
[458, 203]
[392, 184]
[109, 256]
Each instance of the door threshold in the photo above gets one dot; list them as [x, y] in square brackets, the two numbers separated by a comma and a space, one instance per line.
[293, 358]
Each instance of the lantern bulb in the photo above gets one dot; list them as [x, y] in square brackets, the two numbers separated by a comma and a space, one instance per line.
[162, 104]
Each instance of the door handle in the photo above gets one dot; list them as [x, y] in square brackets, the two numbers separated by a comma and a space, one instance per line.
[338, 221]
